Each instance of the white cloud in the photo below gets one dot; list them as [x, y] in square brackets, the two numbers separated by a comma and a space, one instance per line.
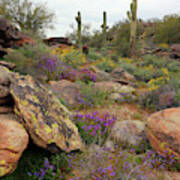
[92, 10]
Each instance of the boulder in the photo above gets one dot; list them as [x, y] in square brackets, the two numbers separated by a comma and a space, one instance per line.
[120, 73]
[5, 75]
[68, 91]
[3, 51]
[4, 91]
[13, 141]
[175, 47]
[6, 109]
[100, 75]
[128, 133]
[113, 87]
[10, 36]
[44, 117]
[108, 86]
[163, 131]
[8, 65]
[6, 101]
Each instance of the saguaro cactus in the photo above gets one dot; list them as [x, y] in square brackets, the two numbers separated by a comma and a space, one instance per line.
[79, 26]
[132, 15]
[104, 26]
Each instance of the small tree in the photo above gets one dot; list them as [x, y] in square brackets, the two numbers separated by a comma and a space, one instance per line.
[26, 15]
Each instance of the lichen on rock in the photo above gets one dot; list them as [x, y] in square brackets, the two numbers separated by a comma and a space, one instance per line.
[44, 117]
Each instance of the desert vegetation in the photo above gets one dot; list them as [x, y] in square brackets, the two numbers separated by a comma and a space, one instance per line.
[111, 92]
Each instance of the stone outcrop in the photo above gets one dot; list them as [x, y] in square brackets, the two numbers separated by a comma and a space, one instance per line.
[10, 66]
[116, 91]
[121, 74]
[6, 101]
[13, 141]
[11, 37]
[128, 133]
[44, 117]
[67, 91]
[163, 131]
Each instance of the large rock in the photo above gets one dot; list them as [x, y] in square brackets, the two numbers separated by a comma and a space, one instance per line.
[8, 65]
[121, 74]
[114, 87]
[10, 36]
[6, 109]
[163, 131]
[68, 91]
[4, 91]
[175, 47]
[128, 133]
[44, 117]
[100, 75]
[13, 141]
[5, 76]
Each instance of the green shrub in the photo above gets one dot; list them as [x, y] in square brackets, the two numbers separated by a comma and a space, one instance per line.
[31, 160]
[167, 30]
[155, 61]
[174, 66]
[28, 57]
[166, 96]
[92, 97]
[93, 55]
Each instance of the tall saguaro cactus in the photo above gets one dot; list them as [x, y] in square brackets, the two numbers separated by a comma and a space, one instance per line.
[79, 26]
[132, 15]
[104, 26]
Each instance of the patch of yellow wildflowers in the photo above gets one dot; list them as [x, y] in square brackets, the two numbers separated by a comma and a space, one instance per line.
[156, 83]
[163, 45]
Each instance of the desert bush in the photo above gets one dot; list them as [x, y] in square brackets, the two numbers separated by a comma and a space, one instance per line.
[28, 57]
[163, 97]
[93, 55]
[106, 64]
[167, 30]
[97, 40]
[155, 61]
[92, 97]
[173, 66]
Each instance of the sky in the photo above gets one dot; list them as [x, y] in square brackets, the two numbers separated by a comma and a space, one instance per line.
[92, 12]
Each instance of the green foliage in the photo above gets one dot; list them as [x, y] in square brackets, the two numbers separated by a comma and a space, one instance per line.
[93, 55]
[26, 15]
[155, 61]
[31, 161]
[28, 57]
[96, 40]
[174, 66]
[92, 97]
[86, 137]
[167, 31]
[164, 97]
[61, 162]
